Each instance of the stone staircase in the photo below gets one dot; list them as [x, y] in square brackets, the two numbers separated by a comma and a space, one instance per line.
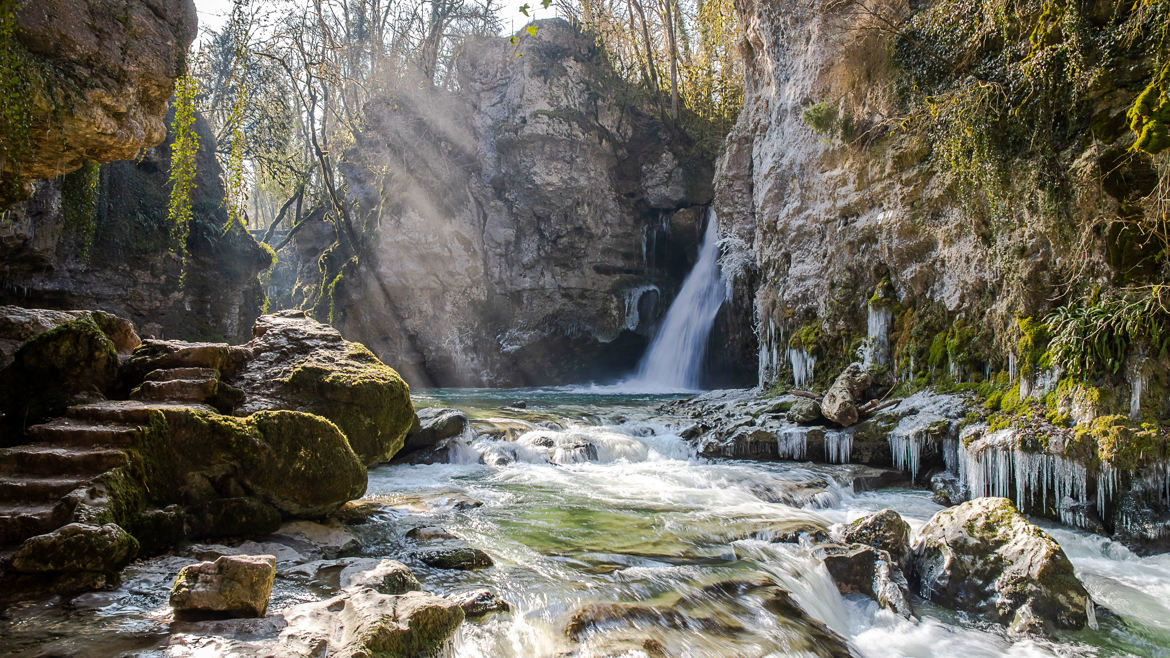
[61, 464]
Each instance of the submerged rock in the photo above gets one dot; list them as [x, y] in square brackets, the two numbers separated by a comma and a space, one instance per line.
[300, 364]
[231, 586]
[870, 571]
[947, 489]
[885, 530]
[480, 602]
[984, 557]
[433, 428]
[455, 555]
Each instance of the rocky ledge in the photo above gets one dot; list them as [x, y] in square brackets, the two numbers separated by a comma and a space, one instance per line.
[118, 447]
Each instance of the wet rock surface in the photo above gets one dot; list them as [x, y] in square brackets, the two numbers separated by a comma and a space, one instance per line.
[884, 530]
[983, 557]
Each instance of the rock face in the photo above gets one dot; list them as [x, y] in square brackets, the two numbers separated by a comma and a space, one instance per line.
[983, 557]
[100, 238]
[92, 79]
[232, 586]
[829, 199]
[298, 363]
[534, 226]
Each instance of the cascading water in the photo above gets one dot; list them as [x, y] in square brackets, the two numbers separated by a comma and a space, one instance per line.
[674, 361]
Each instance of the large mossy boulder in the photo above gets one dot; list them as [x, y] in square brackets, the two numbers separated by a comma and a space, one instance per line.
[50, 369]
[984, 557]
[299, 463]
[298, 363]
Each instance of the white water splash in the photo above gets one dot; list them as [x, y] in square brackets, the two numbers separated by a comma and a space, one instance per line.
[674, 361]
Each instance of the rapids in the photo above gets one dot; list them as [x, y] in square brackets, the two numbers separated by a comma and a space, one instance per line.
[594, 499]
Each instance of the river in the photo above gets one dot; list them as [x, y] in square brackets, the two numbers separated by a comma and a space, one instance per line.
[633, 519]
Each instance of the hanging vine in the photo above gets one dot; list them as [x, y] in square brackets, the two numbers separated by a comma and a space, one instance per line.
[184, 148]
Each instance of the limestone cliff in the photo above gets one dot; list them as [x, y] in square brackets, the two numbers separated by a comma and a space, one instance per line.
[85, 80]
[530, 229]
[864, 168]
[100, 238]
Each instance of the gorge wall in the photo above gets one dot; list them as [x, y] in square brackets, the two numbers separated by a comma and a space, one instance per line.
[848, 189]
[76, 233]
[531, 227]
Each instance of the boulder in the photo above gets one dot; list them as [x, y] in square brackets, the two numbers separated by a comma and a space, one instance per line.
[870, 571]
[300, 364]
[885, 530]
[299, 463]
[429, 439]
[985, 558]
[429, 533]
[841, 401]
[480, 602]
[363, 622]
[53, 367]
[455, 555]
[77, 547]
[231, 586]
[804, 412]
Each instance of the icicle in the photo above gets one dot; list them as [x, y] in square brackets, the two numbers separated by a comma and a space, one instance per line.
[950, 450]
[633, 298]
[803, 367]
[838, 447]
[905, 451]
[792, 443]
[1013, 367]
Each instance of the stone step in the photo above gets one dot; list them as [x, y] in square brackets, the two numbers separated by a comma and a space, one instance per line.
[42, 459]
[170, 374]
[19, 521]
[177, 390]
[127, 411]
[19, 488]
[74, 432]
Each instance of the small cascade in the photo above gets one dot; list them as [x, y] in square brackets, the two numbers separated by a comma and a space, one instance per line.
[803, 367]
[674, 361]
[838, 447]
[792, 443]
[877, 345]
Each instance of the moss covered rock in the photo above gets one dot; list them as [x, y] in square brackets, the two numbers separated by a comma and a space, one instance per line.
[985, 558]
[299, 463]
[299, 363]
[51, 368]
[77, 547]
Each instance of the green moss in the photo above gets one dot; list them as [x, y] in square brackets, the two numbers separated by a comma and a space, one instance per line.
[1149, 117]
[808, 338]
[884, 295]
[1032, 345]
[367, 399]
[822, 117]
[52, 367]
[1124, 444]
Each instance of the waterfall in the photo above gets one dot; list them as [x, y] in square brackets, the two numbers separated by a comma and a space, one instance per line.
[674, 361]
[877, 346]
